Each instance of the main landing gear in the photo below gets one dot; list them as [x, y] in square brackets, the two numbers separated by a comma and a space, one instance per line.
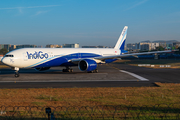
[94, 71]
[67, 70]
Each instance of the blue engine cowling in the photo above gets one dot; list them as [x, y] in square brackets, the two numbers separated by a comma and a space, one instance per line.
[87, 65]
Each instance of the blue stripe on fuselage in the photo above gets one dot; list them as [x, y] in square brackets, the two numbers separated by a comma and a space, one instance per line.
[63, 60]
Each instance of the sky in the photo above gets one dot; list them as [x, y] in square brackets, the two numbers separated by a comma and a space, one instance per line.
[87, 22]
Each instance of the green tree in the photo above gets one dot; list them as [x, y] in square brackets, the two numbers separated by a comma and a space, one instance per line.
[173, 48]
[3, 51]
[160, 48]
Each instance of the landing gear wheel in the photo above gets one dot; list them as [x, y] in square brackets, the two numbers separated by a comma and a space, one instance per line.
[90, 72]
[70, 70]
[16, 75]
[67, 70]
[96, 70]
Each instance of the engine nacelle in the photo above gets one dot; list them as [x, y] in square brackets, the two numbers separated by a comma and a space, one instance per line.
[87, 65]
[42, 68]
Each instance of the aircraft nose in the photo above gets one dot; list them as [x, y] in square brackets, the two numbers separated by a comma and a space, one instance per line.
[4, 61]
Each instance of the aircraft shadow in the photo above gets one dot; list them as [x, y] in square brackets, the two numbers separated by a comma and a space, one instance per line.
[4, 71]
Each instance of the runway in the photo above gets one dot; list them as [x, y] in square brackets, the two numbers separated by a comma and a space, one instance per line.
[111, 75]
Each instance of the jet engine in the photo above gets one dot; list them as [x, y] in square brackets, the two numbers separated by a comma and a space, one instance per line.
[42, 68]
[87, 65]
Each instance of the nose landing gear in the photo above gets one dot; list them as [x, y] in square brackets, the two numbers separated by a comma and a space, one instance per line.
[16, 74]
[16, 71]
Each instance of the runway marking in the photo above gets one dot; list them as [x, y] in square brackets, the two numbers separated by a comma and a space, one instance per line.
[59, 81]
[134, 75]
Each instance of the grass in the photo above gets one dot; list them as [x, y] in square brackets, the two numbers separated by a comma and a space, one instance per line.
[38, 103]
[166, 93]
[48, 98]
[4, 66]
[151, 102]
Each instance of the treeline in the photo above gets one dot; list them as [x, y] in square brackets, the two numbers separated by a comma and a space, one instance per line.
[3, 51]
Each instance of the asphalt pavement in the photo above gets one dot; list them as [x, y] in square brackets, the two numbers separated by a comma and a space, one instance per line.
[109, 75]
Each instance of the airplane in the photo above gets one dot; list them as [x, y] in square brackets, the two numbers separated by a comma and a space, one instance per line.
[86, 59]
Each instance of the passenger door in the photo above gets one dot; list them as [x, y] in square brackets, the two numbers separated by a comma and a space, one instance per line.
[25, 56]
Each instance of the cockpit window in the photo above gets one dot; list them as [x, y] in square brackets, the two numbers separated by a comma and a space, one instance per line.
[9, 55]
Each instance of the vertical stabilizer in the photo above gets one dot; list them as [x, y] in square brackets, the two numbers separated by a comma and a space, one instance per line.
[122, 38]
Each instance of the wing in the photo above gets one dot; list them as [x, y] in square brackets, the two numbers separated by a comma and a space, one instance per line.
[133, 54]
[101, 59]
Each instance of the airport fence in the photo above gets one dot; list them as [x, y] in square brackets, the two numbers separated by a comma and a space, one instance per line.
[161, 111]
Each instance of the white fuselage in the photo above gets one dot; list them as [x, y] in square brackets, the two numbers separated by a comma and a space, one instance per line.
[49, 57]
